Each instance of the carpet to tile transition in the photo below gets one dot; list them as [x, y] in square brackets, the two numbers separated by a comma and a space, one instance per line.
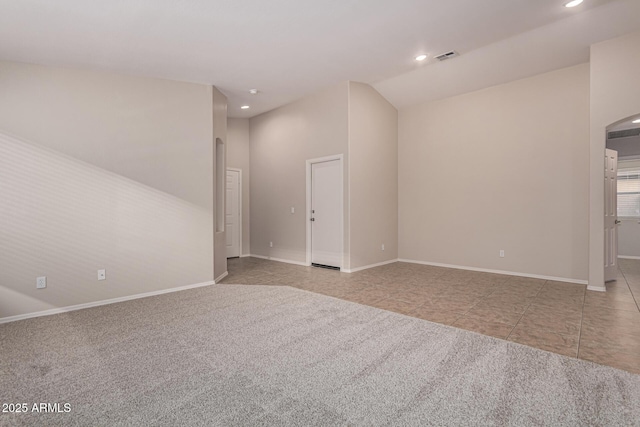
[256, 355]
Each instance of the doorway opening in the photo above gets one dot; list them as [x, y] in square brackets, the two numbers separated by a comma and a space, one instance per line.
[325, 212]
[622, 232]
[233, 212]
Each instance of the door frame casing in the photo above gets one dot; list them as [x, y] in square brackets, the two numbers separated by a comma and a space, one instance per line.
[611, 216]
[309, 163]
[239, 205]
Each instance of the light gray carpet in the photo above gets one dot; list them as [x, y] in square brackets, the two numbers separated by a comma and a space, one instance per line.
[250, 355]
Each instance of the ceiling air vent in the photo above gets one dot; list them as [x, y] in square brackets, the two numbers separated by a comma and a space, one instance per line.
[623, 133]
[447, 55]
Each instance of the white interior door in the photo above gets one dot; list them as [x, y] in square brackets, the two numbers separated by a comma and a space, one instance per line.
[326, 213]
[610, 215]
[232, 215]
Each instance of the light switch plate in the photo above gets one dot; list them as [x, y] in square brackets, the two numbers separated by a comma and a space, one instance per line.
[102, 274]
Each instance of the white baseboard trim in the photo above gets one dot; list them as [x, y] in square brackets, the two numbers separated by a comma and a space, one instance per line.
[222, 276]
[245, 255]
[366, 267]
[597, 288]
[508, 273]
[628, 257]
[99, 303]
[286, 261]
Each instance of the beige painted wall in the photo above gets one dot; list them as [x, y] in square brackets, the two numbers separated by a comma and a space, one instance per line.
[615, 96]
[373, 176]
[282, 141]
[109, 172]
[65, 219]
[150, 130]
[502, 168]
[238, 157]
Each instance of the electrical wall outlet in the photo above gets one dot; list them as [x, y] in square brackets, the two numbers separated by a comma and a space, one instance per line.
[102, 274]
[41, 282]
[270, 244]
[382, 248]
[293, 210]
[501, 253]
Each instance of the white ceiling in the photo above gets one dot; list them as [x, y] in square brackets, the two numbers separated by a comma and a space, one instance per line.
[289, 48]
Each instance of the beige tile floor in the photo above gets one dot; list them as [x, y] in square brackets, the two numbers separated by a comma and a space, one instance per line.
[560, 317]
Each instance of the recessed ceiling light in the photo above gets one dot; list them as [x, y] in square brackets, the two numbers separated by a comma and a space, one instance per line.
[244, 107]
[573, 3]
[253, 91]
[421, 57]
[636, 121]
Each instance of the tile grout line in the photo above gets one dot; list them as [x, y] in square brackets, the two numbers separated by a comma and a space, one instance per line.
[463, 315]
[525, 310]
[584, 301]
[629, 287]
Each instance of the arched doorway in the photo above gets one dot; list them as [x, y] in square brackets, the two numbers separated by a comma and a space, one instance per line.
[621, 194]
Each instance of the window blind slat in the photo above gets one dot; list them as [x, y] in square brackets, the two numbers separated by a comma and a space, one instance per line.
[629, 193]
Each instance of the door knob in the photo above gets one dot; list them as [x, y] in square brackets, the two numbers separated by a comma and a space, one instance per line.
[618, 221]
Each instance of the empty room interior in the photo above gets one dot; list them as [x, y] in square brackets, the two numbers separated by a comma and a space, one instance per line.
[320, 213]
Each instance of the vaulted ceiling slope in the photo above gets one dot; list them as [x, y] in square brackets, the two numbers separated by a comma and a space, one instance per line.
[289, 48]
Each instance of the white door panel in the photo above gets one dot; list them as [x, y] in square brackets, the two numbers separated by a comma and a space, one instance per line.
[232, 217]
[610, 215]
[326, 213]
